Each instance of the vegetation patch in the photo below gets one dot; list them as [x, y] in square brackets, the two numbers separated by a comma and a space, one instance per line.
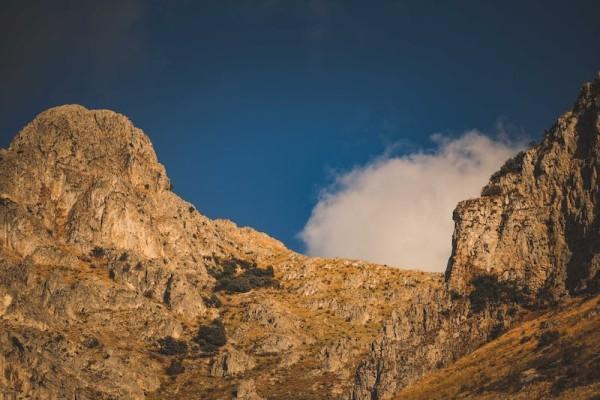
[547, 338]
[212, 301]
[212, 336]
[496, 331]
[454, 295]
[171, 347]
[97, 252]
[488, 290]
[175, 368]
[167, 293]
[241, 276]
[91, 342]
[512, 165]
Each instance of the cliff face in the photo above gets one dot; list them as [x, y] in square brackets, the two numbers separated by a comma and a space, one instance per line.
[99, 256]
[111, 286]
[537, 223]
[554, 355]
[530, 240]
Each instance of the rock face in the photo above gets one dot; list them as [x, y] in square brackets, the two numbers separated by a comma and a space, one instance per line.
[538, 221]
[111, 286]
[534, 235]
[246, 390]
[232, 362]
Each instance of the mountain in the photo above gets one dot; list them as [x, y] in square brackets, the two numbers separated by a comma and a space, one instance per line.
[112, 286]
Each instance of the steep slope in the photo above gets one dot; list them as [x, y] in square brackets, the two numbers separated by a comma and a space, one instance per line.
[537, 221]
[553, 355]
[111, 286]
[108, 279]
[529, 241]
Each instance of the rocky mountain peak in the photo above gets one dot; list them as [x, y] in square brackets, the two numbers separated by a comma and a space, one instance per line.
[90, 178]
[536, 223]
[99, 143]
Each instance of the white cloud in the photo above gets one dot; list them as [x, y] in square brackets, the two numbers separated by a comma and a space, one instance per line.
[398, 210]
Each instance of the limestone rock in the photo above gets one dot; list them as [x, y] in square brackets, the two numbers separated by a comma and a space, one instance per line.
[232, 362]
[537, 221]
[246, 390]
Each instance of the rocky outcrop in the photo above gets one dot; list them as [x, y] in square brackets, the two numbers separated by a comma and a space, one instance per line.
[232, 362]
[534, 235]
[94, 245]
[246, 390]
[111, 286]
[538, 221]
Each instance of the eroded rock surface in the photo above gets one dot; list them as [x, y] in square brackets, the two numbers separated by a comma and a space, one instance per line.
[537, 222]
[111, 286]
[534, 237]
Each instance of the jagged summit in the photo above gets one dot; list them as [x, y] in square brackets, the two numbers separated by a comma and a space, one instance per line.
[537, 221]
[99, 142]
[92, 178]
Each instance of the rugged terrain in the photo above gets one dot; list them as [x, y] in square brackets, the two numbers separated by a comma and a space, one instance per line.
[112, 286]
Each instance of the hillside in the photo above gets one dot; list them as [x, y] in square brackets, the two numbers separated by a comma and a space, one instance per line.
[552, 355]
[112, 286]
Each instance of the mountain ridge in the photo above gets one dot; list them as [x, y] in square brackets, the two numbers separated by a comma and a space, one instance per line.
[112, 286]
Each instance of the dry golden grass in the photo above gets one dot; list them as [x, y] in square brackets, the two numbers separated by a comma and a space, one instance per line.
[516, 366]
[317, 306]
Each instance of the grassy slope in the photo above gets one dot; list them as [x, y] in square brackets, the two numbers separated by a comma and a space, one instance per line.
[521, 365]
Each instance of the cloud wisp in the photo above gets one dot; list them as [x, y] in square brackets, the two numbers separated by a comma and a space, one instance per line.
[398, 210]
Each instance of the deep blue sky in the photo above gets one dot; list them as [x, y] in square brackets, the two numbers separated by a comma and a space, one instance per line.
[251, 104]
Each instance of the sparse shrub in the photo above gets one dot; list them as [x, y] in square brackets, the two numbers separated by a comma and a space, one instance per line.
[229, 270]
[97, 252]
[261, 281]
[212, 301]
[496, 331]
[175, 368]
[124, 257]
[487, 290]
[514, 164]
[171, 347]
[547, 296]
[167, 293]
[560, 385]
[547, 338]
[238, 284]
[250, 278]
[454, 295]
[267, 272]
[91, 342]
[17, 343]
[211, 337]
[570, 354]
